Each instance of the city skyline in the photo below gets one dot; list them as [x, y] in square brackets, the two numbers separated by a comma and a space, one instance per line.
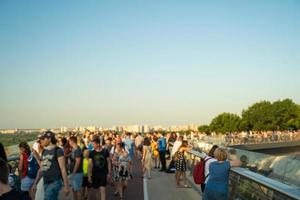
[109, 63]
[142, 128]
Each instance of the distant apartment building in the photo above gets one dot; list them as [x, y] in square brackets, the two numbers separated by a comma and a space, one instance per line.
[132, 128]
[63, 129]
[157, 128]
[176, 128]
[146, 129]
[43, 130]
[91, 128]
[8, 131]
[193, 127]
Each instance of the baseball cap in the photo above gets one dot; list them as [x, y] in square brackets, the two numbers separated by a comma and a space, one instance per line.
[47, 134]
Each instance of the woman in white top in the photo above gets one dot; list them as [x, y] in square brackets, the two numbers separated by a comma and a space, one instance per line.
[147, 158]
[208, 160]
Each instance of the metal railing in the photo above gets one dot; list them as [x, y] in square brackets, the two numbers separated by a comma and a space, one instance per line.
[244, 184]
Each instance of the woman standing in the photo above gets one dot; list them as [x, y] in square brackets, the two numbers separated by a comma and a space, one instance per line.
[121, 162]
[217, 185]
[207, 161]
[26, 182]
[154, 147]
[147, 158]
[180, 164]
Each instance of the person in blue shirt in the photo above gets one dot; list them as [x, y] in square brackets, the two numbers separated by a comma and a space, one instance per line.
[162, 147]
[216, 187]
[129, 145]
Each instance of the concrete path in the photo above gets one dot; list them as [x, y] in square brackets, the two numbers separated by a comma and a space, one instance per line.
[163, 186]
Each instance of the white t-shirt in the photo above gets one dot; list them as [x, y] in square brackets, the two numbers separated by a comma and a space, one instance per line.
[206, 167]
[138, 140]
[175, 147]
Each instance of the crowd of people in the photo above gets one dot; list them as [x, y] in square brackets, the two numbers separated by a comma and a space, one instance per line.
[254, 137]
[85, 163]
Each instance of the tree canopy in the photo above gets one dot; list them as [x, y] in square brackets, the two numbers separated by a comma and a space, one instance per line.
[225, 122]
[261, 116]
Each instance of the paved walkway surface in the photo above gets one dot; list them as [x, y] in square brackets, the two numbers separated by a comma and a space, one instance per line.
[163, 186]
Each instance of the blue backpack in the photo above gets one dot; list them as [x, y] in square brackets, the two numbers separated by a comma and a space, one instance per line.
[33, 167]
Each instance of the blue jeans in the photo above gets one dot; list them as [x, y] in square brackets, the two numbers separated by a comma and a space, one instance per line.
[52, 190]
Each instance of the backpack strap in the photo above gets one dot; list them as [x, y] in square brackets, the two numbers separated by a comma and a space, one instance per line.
[205, 160]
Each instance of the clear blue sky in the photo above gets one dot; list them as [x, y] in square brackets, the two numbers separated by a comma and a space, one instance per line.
[68, 63]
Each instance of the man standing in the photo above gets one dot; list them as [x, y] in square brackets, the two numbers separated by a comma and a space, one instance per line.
[53, 168]
[99, 169]
[162, 145]
[75, 168]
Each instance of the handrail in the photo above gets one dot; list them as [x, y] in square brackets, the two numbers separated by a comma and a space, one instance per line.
[13, 158]
[265, 181]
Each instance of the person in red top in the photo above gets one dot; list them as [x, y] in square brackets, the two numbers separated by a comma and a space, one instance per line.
[26, 182]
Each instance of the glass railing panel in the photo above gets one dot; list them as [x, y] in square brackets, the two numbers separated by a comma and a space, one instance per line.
[284, 168]
[241, 188]
[248, 185]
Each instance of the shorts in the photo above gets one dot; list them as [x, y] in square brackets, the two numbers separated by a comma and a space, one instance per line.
[85, 182]
[99, 180]
[76, 181]
[26, 183]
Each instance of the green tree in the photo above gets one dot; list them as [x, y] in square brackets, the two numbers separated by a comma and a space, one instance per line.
[259, 116]
[264, 116]
[204, 129]
[225, 122]
[286, 114]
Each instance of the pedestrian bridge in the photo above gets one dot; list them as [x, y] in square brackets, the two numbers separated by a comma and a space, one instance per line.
[244, 184]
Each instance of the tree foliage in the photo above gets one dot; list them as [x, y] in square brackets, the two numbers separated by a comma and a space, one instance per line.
[225, 122]
[12, 139]
[261, 116]
[204, 129]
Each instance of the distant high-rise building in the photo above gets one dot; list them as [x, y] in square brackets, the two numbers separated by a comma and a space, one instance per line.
[157, 128]
[146, 129]
[132, 128]
[63, 129]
